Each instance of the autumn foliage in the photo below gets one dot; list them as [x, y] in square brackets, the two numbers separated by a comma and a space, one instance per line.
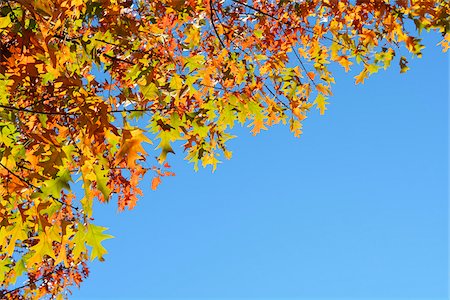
[91, 89]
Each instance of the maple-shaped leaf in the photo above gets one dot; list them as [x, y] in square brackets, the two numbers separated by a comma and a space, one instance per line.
[17, 232]
[258, 125]
[42, 248]
[53, 187]
[165, 138]
[132, 146]
[194, 62]
[94, 238]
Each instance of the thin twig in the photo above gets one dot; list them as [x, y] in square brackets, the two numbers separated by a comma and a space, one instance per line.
[36, 187]
[13, 108]
[214, 25]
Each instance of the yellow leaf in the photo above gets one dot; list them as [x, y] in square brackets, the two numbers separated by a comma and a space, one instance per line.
[345, 62]
[42, 248]
[176, 82]
[94, 238]
[4, 21]
[321, 103]
[298, 113]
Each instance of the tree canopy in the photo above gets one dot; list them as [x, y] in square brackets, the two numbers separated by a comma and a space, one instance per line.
[88, 86]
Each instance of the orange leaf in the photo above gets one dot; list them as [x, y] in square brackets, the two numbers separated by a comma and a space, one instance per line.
[155, 182]
[323, 89]
[298, 113]
[361, 76]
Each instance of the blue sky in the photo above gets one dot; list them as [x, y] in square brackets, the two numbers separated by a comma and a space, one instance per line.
[355, 208]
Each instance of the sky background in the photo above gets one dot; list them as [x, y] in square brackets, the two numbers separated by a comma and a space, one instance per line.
[355, 208]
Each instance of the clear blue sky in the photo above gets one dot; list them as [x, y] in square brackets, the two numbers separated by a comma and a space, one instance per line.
[355, 208]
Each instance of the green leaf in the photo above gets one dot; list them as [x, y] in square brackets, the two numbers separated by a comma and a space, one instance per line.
[164, 144]
[4, 268]
[19, 268]
[94, 238]
[200, 130]
[258, 33]
[150, 91]
[176, 83]
[195, 62]
[79, 242]
[260, 57]
[53, 187]
[42, 248]
[372, 68]
[101, 173]
[227, 116]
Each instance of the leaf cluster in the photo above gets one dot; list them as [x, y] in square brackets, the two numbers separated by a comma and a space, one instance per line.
[86, 86]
